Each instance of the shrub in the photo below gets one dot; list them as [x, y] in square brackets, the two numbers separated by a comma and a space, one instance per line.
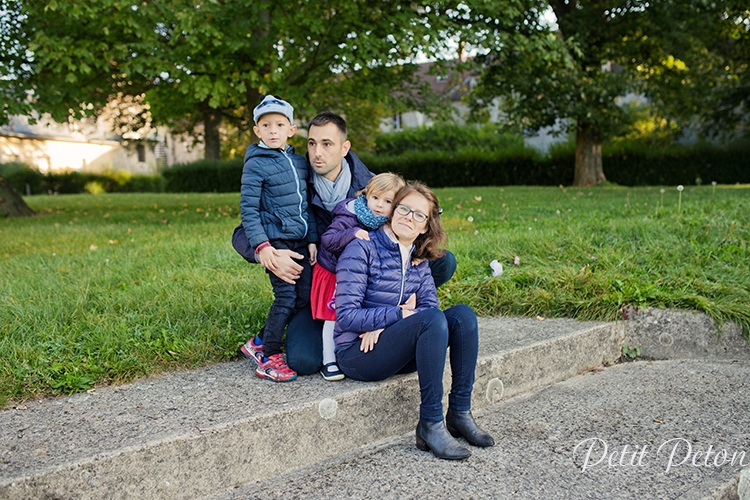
[635, 163]
[632, 165]
[515, 166]
[153, 183]
[204, 176]
[447, 137]
[21, 176]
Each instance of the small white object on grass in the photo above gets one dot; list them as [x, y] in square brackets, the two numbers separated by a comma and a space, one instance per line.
[497, 268]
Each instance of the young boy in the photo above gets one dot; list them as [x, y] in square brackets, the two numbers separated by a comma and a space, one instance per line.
[275, 215]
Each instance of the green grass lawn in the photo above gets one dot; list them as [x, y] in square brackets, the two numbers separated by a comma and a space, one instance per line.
[101, 289]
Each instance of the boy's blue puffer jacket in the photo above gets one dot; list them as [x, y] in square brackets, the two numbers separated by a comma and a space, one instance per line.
[370, 285]
[273, 201]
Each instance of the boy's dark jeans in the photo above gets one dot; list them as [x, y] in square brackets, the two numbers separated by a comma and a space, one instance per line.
[288, 299]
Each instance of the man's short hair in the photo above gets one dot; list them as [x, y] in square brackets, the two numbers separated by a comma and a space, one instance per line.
[326, 117]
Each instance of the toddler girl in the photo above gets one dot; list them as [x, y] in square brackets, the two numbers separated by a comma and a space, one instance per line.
[352, 218]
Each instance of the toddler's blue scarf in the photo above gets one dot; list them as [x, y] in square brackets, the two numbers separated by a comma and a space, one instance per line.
[365, 215]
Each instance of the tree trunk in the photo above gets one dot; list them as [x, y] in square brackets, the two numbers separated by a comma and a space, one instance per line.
[11, 203]
[212, 141]
[588, 156]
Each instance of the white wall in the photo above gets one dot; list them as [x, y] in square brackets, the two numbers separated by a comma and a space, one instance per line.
[90, 146]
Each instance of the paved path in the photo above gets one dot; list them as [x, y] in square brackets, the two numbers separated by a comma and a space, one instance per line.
[648, 426]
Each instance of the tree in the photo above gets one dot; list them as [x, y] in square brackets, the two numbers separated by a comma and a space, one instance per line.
[573, 71]
[209, 62]
[13, 42]
[11, 203]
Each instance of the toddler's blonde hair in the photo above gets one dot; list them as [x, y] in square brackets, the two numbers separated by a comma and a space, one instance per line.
[383, 182]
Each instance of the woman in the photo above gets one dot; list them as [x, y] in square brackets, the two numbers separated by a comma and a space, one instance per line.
[388, 321]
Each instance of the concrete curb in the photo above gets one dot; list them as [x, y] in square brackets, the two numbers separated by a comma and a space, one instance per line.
[743, 486]
[240, 445]
[673, 334]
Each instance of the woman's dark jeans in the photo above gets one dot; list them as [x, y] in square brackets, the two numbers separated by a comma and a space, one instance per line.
[419, 343]
[304, 337]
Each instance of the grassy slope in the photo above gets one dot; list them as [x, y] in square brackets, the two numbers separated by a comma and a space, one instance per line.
[106, 288]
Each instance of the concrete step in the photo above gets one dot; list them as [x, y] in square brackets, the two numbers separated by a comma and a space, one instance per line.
[199, 433]
[643, 430]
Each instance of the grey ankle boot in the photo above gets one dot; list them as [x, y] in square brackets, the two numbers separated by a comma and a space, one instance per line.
[461, 423]
[434, 436]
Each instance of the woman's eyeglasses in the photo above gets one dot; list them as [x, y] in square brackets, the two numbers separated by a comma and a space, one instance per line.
[403, 210]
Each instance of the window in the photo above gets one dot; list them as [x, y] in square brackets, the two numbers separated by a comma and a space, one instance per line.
[141, 149]
[396, 120]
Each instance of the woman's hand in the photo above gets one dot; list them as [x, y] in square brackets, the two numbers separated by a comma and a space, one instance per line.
[407, 308]
[369, 339]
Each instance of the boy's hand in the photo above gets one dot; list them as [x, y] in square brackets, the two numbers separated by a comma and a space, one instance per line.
[268, 258]
[313, 249]
[362, 235]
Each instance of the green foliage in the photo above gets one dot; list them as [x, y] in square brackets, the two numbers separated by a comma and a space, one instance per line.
[204, 176]
[21, 176]
[13, 72]
[646, 127]
[682, 56]
[630, 352]
[209, 63]
[564, 70]
[102, 289]
[447, 137]
[631, 163]
[473, 168]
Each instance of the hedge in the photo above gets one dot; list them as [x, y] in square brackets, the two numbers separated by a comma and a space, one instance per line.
[204, 176]
[515, 165]
[628, 167]
[684, 165]
[22, 176]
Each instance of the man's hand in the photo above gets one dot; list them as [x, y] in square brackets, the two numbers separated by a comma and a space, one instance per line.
[313, 249]
[286, 269]
[362, 235]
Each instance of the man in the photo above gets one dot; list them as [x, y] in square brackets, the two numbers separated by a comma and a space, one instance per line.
[336, 173]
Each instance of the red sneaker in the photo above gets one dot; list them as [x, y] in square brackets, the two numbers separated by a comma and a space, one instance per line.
[275, 368]
[253, 351]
